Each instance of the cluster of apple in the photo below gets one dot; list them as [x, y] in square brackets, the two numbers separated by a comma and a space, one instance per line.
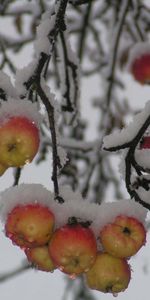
[73, 248]
[19, 135]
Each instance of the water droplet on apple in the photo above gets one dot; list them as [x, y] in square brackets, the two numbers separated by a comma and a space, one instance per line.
[23, 248]
[27, 161]
[61, 268]
[72, 276]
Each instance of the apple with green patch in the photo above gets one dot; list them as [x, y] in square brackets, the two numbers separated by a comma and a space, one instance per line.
[108, 274]
[40, 258]
[19, 141]
[73, 248]
[30, 225]
[124, 237]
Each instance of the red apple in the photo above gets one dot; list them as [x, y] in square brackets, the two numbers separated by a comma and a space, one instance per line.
[73, 248]
[145, 143]
[140, 68]
[124, 237]
[19, 141]
[30, 225]
[108, 274]
[40, 258]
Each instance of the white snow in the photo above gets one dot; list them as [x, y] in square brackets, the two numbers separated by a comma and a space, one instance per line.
[74, 206]
[22, 195]
[62, 155]
[142, 156]
[6, 85]
[143, 194]
[18, 107]
[42, 43]
[22, 76]
[130, 131]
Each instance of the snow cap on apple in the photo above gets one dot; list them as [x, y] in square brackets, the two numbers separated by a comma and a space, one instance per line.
[22, 195]
[139, 62]
[74, 206]
[27, 217]
[19, 108]
[97, 215]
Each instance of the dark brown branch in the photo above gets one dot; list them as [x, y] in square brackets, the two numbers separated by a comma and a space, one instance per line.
[25, 267]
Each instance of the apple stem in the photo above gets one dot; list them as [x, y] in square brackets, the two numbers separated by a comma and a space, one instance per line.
[74, 221]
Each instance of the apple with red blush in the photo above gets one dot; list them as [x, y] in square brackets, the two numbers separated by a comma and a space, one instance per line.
[30, 225]
[19, 141]
[124, 237]
[73, 248]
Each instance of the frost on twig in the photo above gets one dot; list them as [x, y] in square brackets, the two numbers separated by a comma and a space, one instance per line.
[131, 139]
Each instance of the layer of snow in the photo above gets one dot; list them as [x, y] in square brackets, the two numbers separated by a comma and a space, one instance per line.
[42, 43]
[143, 194]
[6, 85]
[128, 133]
[62, 156]
[22, 76]
[22, 195]
[142, 156]
[18, 107]
[74, 206]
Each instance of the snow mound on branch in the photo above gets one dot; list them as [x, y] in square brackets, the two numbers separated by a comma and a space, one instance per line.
[144, 194]
[128, 133]
[44, 30]
[142, 156]
[6, 85]
[74, 206]
[23, 75]
[18, 107]
[138, 50]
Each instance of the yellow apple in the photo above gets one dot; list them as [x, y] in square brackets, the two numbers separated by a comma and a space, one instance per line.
[19, 142]
[73, 248]
[30, 225]
[3, 168]
[124, 237]
[40, 258]
[108, 274]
